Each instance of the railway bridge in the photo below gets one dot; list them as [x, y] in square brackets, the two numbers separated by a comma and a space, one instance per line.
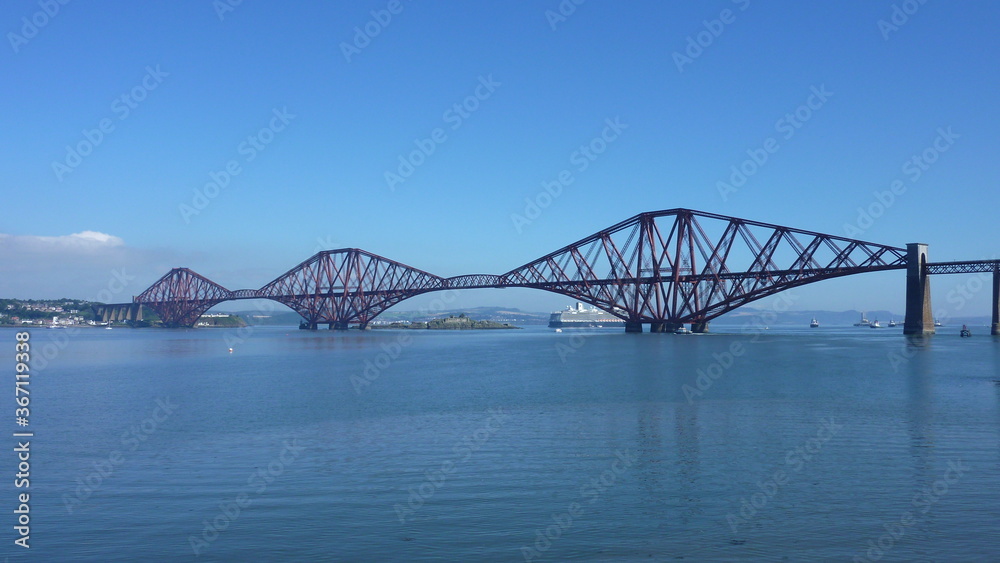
[663, 268]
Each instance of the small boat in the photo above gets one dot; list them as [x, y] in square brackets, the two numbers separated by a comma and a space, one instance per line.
[937, 323]
[875, 324]
[558, 330]
[681, 330]
[863, 321]
[892, 323]
[966, 333]
[813, 323]
[107, 327]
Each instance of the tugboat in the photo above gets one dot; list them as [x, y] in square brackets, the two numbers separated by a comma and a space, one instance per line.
[875, 324]
[966, 333]
[937, 323]
[892, 322]
[813, 323]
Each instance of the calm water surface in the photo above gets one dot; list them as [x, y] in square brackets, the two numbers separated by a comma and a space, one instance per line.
[795, 445]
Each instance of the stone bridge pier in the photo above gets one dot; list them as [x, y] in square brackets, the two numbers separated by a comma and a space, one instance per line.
[995, 331]
[919, 316]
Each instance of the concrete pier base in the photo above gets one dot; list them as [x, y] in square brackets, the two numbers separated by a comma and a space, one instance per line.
[699, 328]
[995, 331]
[919, 316]
[664, 326]
[339, 325]
[631, 326]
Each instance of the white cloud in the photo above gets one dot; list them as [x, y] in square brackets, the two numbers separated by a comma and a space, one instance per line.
[84, 240]
[79, 265]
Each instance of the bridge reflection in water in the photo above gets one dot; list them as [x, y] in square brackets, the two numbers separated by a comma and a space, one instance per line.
[664, 268]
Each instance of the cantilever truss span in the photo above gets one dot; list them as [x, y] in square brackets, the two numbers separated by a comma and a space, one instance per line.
[680, 266]
[673, 266]
[349, 285]
[181, 296]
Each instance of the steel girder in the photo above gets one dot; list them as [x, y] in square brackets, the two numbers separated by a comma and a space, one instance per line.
[970, 267]
[475, 281]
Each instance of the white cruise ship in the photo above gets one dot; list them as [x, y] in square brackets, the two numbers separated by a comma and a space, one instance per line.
[583, 317]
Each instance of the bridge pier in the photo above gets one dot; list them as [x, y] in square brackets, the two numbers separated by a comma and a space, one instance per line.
[919, 316]
[117, 312]
[664, 326]
[631, 326]
[995, 330]
[338, 325]
[699, 328]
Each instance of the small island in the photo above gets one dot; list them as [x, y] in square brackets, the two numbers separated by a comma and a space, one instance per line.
[220, 320]
[461, 322]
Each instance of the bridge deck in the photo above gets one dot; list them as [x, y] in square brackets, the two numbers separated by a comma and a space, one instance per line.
[963, 267]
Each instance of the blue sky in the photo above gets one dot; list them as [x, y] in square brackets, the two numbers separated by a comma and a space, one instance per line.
[201, 82]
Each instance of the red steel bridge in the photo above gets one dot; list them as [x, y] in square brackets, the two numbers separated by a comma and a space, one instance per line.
[664, 268]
